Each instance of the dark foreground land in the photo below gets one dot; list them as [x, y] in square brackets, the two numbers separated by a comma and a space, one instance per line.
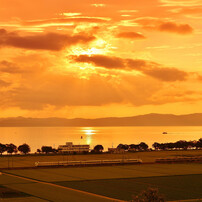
[109, 183]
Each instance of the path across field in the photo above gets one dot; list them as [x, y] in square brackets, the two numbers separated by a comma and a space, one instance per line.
[45, 191]
[175, 181]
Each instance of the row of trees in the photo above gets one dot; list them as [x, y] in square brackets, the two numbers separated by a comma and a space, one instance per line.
[134, 147]
[11, 148]
[47, 149]
[24, 148]
[179, 145]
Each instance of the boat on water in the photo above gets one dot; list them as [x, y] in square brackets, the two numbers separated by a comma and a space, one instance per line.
[164, 133]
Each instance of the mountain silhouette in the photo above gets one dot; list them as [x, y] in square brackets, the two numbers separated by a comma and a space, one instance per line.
[140, 120]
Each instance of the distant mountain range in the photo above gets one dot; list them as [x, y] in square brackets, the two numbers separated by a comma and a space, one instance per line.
[141, 120]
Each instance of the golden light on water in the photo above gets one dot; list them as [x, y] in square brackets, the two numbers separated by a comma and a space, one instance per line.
[88, 140]
[88, 132]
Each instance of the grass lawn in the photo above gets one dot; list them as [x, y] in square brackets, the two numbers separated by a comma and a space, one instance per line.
[10, 193]
[175, 181]
[28, 161]
[172, 187]
[45, 192]
[23, 199]
[108, 172]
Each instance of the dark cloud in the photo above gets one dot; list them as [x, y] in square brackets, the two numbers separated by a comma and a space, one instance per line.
[173, 27]
[9, 67]
[101, 61]
[130, 35]
[47, 41]
[166, 74]
[164, 25]
[149, 68]
[136, 64]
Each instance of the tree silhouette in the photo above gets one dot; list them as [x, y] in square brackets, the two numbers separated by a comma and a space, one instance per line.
[11, 148]
[199, 144]
[2, 148]
[24, 148]
[46, 149]
[98, 148]
[38, 150]
[134, 147]
[143, 146]
[156, 145]
[123, 146]
[179, 145]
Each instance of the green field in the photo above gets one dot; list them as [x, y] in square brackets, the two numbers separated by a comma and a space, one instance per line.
[172, 187]
[28, 161]
[175, 181]
[10, 193]
[45, 191]
[108, 172]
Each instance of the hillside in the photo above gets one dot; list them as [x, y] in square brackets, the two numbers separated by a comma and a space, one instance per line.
[141, 120]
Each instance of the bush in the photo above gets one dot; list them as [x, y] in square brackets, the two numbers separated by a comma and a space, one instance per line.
[98, 148]
[149, 195]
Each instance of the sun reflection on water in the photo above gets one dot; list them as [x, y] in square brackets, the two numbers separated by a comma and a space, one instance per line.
[88, 132]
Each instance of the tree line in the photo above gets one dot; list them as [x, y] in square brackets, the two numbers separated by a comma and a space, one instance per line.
[134, 147]
[179, 145]
[11, 148]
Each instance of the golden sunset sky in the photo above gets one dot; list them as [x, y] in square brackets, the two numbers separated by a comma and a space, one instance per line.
[100, 58]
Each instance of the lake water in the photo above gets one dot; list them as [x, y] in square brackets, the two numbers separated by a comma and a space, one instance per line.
[107, 136]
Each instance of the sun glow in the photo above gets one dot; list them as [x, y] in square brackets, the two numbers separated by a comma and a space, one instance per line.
[88, 134]
[88, 140]
[90, 51]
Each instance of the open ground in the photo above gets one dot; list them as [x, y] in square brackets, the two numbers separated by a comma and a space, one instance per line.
[29, 160]
[174, 181]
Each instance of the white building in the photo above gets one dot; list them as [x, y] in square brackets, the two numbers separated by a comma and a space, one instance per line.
[70, 148]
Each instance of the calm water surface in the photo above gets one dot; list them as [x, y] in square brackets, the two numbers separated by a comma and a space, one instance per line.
[107, 136]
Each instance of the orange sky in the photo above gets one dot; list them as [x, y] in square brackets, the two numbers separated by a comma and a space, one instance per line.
[100, 58]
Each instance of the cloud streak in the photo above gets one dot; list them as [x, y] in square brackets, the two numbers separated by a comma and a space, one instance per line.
[175, 28]
[149, 68]
[164, 25]
[131, 35]
[48, 41]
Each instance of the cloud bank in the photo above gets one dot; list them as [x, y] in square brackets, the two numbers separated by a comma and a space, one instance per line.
[46, 41]
[149, 68]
